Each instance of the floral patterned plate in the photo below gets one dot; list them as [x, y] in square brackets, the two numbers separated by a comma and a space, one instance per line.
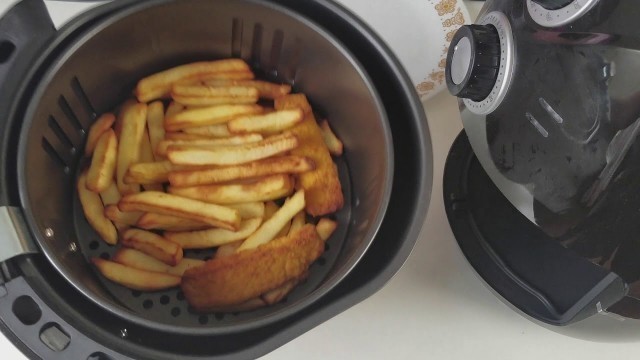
[418, 31]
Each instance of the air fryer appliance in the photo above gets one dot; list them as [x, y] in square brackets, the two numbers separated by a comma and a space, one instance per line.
[541, 189]
[53, 84]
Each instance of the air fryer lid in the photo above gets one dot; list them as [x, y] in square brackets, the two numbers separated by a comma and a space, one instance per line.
[552, 95]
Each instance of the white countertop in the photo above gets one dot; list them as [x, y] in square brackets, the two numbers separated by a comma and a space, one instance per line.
[435, 307]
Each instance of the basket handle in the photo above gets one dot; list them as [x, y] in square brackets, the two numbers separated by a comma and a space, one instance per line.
[24, 30]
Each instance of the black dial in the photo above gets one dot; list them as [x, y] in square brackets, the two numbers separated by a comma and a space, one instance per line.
[473, 62]
[553, 4]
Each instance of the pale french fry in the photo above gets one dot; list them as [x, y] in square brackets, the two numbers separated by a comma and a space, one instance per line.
[151, 173]
[135, 279]
[211, 115]
[334, 144]
[103, 162]
[153, 245]
[219, 130]
[104, 123]
[184, 265]
[213, 237]
[210, 91]
[167, 204]
[264, 189]
[216, 100]
[266, 90]
[113, 213]
[270, 123]
[111, 195]
[325, 228]
[228, 249]
[134, 120]
[183, 136]
[124, 108]
[322, 185]
[94, 212]
[233, 155]
[297, 222]
[270, 228]
[155, 124]
[164, 145]
[139, 260]
[152, 221]
[266, 167]
[159, 84]
[249, 210]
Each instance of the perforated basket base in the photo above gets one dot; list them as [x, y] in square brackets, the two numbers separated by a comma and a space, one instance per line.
[170, 307]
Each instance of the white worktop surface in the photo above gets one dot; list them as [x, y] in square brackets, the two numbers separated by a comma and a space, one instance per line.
[435, 307]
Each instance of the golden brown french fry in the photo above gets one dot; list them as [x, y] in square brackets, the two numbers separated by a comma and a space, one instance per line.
[173, 109]
[152, 221]
[183, 136]
[228, 249]
[213, 237]
[146, 151]
[151, 173]
[249, 210]
[272, 227]
[159, 84]
[264, 189]
[322, 185]
[122, 110]
[210, 115]
[210, 91]
[164, 145]
[334, 144]
[113, 213]
[103, 162]
[219, 130]
[215, 100]
[270, 123]
[135, 279]
[225, 76]
[266, 167]
[233, 155]
[139, 260]
[167, 204]
[325, 228]
[111, 195]
[94, 212]
[266, 90]
[104, 123]
[155, 124]
[153, 245]
[133, 126]
[297, 222]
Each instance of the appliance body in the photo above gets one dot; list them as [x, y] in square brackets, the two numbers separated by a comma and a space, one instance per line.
[552, 112]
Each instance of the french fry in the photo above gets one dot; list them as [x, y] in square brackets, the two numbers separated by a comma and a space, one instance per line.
[184, 136]
[266, 90]
[152, 221]
[249, 210]
[297, 222]
[153, 245]
[155, 124]
[104, 123]
[113, 213]
[210, 115]
[219, 130]
[147, 156]
[270, 228]
[270, 208]
[225, 76]
[111, 195]
[103, 162]
[164, 145]
[94, 212]
[135, 279]
[215, 100]
[159, 84]
[233, 155]
[266, 167]
[134, 120]
[284, 231]
[325, 228]
[322, 185]
[330, 139]
[264, 189]
[213, 237]
[139, 260]
[122, 110]
[228, 249]
[173, 109]
[270, 123]
[167, 204]
[151, 173]
[210, 91]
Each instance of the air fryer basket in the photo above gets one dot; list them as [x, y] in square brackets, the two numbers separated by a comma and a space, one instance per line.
[99, 71]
